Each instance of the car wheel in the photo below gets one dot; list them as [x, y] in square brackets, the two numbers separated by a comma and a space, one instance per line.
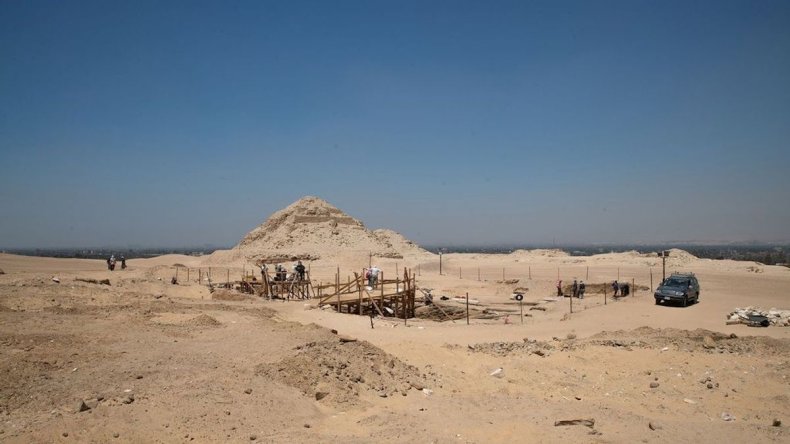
[658, 302]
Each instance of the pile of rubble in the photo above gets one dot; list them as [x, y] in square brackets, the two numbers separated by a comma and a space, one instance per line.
[757, 317]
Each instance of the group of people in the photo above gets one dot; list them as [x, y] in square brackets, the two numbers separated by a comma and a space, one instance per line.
[577, 289]
[618, 289]
[372, 275]
[111, 263]
[281, 274]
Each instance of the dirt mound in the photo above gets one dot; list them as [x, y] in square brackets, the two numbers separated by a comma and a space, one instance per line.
[228, 295]
[539, 252]
[699, 340]
[203, 320]
[692, 340]
[337, 372]
[311, 228]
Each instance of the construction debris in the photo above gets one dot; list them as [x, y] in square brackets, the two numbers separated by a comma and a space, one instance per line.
[757, 317]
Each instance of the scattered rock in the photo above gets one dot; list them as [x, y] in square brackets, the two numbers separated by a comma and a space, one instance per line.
[727, 417]
[689, 401]
[710, 385]
[65, 434]
[81, 406]
[128, 399]
[707, 342]
[653, 426]
[253, 437]
[116, 434]
[497, 373]
[248, 391]
[320, 395]
[777, 423]
[654, 384]
[307, 426]
[585, 422]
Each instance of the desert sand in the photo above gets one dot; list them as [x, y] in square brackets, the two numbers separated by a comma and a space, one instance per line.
[143, 360]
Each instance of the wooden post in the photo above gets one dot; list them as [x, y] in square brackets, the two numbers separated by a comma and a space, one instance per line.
[200, 276]
[337, 288]
[618, 274]
[530, 272]
[467, 308]
[478, 273]
[459, 273]
[503, 275]
[588, 274]
[187, 274]
[397, 284]
[381, 298]
[521, 309]
[633, 287]
[176, 273]
[604, 293]
[571, 302]
[361, 278]
[209, 274]
[651, 279]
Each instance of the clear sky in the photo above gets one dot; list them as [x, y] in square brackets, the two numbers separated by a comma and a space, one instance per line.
[169, 123]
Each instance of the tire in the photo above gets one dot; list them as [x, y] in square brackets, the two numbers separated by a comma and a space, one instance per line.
[658, 302]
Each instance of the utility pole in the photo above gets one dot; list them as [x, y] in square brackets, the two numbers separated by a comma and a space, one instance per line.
[440, 262]
[664, 255]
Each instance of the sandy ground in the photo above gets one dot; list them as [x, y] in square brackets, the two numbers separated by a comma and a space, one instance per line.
[148, 361]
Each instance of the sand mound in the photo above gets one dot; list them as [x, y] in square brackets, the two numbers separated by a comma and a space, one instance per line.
[337, 372]
[203, 320]
[540, 252]
[311, 228]
[228, 295]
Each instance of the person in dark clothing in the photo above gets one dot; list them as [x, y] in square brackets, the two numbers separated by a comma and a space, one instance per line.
[615, 288]
[123, 263]
[300, 270]
[575, 289]
[582, 288]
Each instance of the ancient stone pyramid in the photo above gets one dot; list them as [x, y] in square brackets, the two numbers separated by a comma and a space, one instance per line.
[312, 228]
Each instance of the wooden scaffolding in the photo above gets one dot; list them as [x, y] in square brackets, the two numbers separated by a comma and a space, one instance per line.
[388, 297]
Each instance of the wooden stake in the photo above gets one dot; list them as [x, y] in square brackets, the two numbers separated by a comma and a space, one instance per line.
[530, 272]
[633, 288]
[651, 279]
[187, 274]
[588, 274]
[478, 273]
[467, 308]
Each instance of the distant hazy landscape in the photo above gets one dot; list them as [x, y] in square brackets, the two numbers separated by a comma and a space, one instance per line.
[768, 254]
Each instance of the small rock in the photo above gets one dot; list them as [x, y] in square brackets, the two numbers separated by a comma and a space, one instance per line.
[307, 426]
[128, 399]
[777, 423]
[82, 407]
[65, 434]
[654, 384]
[727, 417]
[320, 395]
[578, 398]
[689, 401]
[248, 391]
[708, 342]
[653, 426]
[253, 437]
[334, 331]
[138, 377]
[709, 385]
[116, 434]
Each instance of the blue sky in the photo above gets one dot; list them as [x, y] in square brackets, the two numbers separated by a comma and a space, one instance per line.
[188, 123]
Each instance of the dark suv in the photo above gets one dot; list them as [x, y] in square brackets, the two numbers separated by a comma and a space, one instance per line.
[679, 287]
